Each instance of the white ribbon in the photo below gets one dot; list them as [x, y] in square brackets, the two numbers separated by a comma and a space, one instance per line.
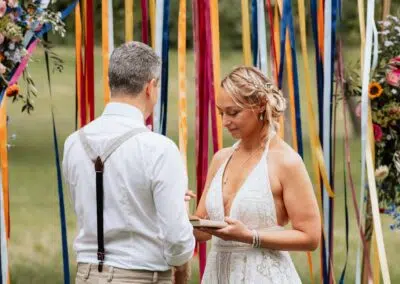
[262, 40]
[366, 154]
[327, 116]
[110, 28]
[158, 49]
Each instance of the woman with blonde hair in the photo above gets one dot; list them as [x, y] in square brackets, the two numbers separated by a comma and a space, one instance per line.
[256, 186]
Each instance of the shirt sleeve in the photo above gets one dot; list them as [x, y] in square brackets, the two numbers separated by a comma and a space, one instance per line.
[169, 184]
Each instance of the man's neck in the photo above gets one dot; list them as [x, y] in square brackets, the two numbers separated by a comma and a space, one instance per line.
[132, 101]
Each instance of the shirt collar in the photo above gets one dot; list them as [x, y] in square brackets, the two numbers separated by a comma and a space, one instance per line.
[123, 109]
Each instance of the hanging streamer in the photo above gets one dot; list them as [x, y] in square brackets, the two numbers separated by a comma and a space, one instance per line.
[105, 48]
[274, 63]
[145, 20]
[64, 237]
[183, 129]
[152, 11]
[110, 27]
[254, 32]
[246, 32]
[158, 48]
[4, 200]
[287, 24]
[78, 67]
[128, 20]
[164, 76]
[89, 58]
[262, 37]
[202, 104]
[216, 63]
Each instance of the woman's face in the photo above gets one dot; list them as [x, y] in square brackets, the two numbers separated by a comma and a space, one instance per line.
[240, 122]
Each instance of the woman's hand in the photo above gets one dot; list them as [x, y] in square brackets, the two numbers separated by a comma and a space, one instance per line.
[235, 231]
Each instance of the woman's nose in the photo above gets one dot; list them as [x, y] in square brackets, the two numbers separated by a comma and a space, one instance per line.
[225, 120]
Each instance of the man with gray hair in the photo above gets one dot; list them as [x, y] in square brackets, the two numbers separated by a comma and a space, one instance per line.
[127, 183]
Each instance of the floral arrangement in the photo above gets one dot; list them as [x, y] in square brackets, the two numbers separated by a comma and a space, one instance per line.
[384, 95]
[19, 24]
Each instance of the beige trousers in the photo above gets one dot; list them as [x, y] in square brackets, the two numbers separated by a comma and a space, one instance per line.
[89, 274]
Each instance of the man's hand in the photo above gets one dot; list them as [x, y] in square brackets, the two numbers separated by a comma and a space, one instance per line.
[189, 195]
[181, 274]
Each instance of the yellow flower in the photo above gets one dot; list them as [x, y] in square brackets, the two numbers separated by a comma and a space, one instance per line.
[374, 90]
[381, 173]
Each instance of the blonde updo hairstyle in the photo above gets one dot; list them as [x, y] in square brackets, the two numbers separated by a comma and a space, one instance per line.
[250, 88]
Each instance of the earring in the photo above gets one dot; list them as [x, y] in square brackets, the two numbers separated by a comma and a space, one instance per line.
[261, 116]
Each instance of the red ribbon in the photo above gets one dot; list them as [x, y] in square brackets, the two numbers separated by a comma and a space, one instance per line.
[145, 22]
[89, 58]
[205, 100]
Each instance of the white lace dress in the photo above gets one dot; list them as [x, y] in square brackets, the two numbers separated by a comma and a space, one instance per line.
[232, 262]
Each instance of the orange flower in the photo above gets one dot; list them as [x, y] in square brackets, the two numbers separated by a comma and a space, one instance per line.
[374, 90]
[1, 57]
[12, 91]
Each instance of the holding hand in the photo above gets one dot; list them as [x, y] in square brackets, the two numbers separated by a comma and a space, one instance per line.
[235, 231]
[189, 195]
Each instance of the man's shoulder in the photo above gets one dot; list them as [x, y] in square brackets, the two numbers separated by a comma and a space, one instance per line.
[153, 139]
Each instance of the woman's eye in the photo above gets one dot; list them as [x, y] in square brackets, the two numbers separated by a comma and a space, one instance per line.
[233, 113]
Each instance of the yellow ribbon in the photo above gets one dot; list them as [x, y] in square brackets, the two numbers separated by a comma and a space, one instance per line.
[277, 40]
[4, 163]
[152, 8]
[386, 8]
[105, 49]
[183, 136]
[246, 32]
[78, 54]
[128, 20]
[216, 63]
[4, 170]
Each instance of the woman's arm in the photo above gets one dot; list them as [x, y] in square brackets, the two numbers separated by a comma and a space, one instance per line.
[302, 209]
[201, 210]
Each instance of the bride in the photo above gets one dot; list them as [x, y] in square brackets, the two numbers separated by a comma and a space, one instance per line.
[256, 186]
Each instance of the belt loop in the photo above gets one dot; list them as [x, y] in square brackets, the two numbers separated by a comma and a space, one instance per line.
[155, 277]
[110, 274]
[89, 267]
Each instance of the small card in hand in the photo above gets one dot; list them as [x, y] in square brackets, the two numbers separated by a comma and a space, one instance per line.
[204, 223]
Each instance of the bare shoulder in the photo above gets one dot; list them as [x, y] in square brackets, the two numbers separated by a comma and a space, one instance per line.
[221, 156]
[218, 159]
[285, 156]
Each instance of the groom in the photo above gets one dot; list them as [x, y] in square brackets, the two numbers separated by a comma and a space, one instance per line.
[128, 184]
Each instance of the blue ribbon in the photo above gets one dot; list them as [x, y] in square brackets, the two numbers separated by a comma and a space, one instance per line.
[164, 76]
[254, 31]
[287, 22]
[64, 237]
[320, 88]
[335, 5]
[346, 216]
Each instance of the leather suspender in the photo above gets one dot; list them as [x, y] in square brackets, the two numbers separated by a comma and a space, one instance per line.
[99, 161]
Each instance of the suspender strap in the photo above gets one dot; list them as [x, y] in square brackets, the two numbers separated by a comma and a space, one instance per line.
[99, 161]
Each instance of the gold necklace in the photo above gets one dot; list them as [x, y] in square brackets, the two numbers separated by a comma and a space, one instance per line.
[242, 164]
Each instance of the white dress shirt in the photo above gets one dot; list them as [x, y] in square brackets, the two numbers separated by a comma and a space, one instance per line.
[146, 226]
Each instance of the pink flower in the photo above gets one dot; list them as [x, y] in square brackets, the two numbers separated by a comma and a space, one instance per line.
[1, 38]
[3, 8]
[358, 110]
[378, 134]
[2, 69]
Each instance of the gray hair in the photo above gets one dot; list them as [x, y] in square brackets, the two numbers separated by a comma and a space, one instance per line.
[132, 65]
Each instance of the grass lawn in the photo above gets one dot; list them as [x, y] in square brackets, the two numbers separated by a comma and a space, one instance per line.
[35, 246]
